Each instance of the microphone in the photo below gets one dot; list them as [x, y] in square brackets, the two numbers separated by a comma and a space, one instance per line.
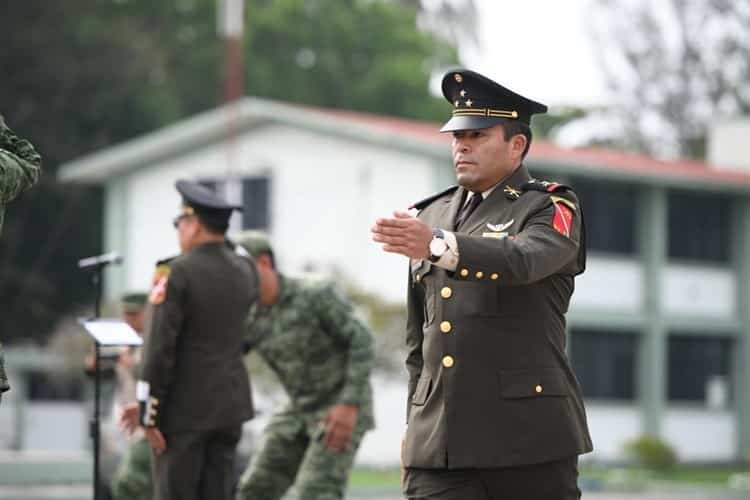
[100, 260]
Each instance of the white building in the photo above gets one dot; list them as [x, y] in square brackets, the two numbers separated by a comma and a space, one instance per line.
[660, 324]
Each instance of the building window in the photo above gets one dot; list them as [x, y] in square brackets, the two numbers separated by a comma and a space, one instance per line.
[256, 203]
[44, 386]
[699, 226]
[700, 369]
[605, 363]
[255, 200]
[610, 212]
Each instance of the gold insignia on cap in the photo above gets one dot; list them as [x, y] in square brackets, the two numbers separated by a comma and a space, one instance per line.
[457, 103]
[458, 77]
[469, 102]
[463, 93]
[514, 114]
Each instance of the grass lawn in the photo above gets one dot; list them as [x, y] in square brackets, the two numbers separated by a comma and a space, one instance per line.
[366, 478]
[387, 479]
[682, 475]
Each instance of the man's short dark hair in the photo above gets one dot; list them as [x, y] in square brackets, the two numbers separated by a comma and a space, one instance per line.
[213, 226]
[515, 127]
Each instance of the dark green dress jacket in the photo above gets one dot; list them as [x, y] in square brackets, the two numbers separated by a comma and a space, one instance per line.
[490, 384]
[193, 376]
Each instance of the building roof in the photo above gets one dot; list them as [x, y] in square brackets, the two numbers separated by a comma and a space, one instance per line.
[397, 133]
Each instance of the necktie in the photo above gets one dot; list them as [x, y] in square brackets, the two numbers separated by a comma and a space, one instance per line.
[468, 209]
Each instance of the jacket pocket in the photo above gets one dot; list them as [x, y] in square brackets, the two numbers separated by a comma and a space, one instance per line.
[532, 383]
[422, 392]
[475, 298]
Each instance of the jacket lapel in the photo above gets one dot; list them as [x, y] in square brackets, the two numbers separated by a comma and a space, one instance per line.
[447, 217]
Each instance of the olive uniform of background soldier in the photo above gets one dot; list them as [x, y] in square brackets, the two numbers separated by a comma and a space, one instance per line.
[194, 390]
[494, 408]
[20, 166]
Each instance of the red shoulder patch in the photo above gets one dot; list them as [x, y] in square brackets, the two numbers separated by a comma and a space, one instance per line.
[158, 291]
[562, 222]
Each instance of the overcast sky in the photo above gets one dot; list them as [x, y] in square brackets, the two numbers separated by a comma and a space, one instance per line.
[539, 48]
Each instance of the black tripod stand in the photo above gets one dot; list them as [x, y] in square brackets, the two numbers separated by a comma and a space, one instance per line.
[96, 266]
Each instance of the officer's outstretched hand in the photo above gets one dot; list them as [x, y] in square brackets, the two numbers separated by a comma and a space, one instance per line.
[339, 426]
[403, 234]
[156, 440]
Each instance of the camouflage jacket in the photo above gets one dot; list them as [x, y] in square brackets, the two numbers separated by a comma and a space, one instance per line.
[20, 166]
[3, 379]
[320, 351]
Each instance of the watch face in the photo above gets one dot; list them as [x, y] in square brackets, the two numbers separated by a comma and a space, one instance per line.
[438, 247]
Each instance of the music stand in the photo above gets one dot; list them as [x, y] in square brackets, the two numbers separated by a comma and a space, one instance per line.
[108, 333]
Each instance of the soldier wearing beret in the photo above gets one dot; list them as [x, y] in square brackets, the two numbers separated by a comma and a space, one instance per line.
[494, 409]
[194, 391]
[308, 334]
[20, 166]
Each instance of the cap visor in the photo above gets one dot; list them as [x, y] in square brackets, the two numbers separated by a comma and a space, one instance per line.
[470, 123]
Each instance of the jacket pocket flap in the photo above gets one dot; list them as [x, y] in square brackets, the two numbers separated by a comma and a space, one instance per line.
[422, 391]
[535, 383]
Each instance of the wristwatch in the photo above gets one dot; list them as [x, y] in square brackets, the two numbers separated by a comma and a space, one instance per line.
[438, 246]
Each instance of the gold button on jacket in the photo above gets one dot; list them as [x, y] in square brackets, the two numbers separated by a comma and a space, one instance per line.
[448, 361]
[446, 327]
[446, 292]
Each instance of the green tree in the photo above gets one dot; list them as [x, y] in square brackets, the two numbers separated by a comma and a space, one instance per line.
[80, 75]
[674, 68]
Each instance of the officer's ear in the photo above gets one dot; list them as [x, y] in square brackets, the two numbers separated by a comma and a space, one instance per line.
[518, 146]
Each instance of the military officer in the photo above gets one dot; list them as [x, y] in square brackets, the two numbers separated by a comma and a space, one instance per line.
[494, 409]
[20, 166]
[323, 355]
[194, 391]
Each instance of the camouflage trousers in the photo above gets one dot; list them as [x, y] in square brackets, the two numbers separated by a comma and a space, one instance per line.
[292, 451]
[3, 379]
[132, 480]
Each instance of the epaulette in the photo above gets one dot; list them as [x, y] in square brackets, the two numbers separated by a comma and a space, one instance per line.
[544, 186]
[165, 262]
[422, 204]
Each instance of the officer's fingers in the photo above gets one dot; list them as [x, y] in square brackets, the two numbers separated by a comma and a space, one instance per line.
[396, 249]
[390, 239]
[394, 235]
[402, 215]
[395, 222]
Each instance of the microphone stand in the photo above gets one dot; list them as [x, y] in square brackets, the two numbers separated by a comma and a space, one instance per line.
[97, 271]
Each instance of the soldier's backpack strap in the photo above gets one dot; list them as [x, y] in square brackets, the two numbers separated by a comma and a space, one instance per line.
[423, 203]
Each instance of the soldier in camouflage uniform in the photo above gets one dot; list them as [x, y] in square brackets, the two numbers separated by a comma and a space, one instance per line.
[20, 166]
[132, 479]
[323, 355]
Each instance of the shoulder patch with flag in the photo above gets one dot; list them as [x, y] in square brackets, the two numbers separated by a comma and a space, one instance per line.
[159, 282]
[562, 221]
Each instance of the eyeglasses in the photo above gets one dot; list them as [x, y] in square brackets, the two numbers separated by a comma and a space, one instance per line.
[176, 221]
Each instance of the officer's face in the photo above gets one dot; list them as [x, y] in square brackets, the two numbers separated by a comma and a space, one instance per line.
[135, 319]
[187, 228]
[482, 157]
